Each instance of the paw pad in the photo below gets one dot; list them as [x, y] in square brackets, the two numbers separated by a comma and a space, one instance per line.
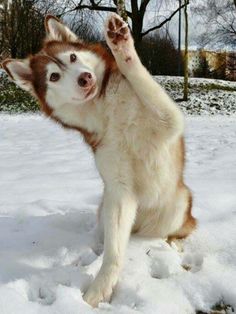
[117, 29]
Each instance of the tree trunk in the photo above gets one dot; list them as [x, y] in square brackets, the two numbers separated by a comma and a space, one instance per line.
[137, 33]
[179, 42]
[137, 24]
[121, 10]
[186, 53]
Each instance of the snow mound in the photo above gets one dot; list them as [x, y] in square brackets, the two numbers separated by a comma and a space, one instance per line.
[165, 261]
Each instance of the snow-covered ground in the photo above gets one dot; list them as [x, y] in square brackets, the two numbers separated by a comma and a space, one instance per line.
[206, 96]
[49, 192]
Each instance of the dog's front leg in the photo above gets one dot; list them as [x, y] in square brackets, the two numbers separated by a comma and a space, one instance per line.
[119, 208]
[168, 117]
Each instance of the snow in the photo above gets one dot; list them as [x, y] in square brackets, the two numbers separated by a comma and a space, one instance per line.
[49, 192]
[206, 96]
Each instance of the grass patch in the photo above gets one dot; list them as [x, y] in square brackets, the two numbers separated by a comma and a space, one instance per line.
[214, 86]
[193, 85]
[15, 100]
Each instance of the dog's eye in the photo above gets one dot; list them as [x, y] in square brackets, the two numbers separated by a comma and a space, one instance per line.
[54, 77]
[73, 57]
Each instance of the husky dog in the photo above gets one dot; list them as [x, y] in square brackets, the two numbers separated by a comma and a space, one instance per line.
[133, 127]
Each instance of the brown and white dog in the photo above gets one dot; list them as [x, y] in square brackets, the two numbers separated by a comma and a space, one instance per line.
[133, 127]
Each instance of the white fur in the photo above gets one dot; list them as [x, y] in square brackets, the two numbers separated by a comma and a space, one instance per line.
[138, 125]
[75, 95]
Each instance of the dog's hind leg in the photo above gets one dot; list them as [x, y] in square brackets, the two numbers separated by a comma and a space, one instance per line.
[189, 223]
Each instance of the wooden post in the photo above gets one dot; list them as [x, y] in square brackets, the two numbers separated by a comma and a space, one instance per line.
[179, 41]
[186, 52]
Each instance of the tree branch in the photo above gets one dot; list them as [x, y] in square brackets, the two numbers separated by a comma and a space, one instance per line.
[143, 6]
[96, 7]
[165, 21]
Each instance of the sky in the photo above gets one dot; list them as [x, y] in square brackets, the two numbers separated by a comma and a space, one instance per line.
[197, 26]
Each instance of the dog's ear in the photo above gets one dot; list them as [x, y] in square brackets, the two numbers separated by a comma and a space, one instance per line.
[56, 30]
[20, 72]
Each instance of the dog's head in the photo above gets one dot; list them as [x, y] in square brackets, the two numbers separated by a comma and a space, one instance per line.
[65, 71]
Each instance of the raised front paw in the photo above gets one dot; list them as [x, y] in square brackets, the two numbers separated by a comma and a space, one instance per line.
[118, 35]
[117, 29]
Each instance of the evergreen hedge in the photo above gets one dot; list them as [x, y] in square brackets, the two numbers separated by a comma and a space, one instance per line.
[13, 99]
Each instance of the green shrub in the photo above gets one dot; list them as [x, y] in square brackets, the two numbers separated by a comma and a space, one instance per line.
[13, 99]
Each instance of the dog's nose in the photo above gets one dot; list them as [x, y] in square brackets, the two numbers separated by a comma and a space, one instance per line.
[85, 79]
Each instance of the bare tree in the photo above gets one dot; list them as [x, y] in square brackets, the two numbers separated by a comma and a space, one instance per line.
[21, 28]
[220, 20]
[22, 25]
[136, 13]
[82, 24]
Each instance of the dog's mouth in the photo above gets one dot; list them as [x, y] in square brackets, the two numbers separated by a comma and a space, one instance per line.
[88, 94]
[90, 91]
